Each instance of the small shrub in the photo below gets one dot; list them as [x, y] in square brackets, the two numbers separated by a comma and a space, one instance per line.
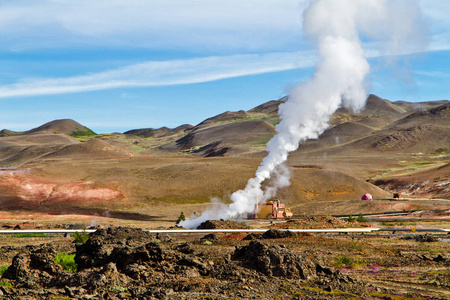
[182, 217]
[207, 243]
[356, 246]
[67, 261]
[441, 151]
[351, 219]
[3, 269]
[6, 284]
[361, 219]
[81, 237]
[345, 260]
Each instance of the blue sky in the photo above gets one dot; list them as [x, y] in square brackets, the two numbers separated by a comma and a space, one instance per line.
[119, 65]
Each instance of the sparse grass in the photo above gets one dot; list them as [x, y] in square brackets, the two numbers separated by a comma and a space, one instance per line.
[296, 295]
[28, 235]
[67, 261]
[441, 151]
[348, 261]
[395, 297]
[207, 243]
[3, 269]
[261, 141]
[332, 292]
[425, 163]
[193, 149]
[356, 246]
[425, 248]
[117, 289]
[397, 223]
[343, 260]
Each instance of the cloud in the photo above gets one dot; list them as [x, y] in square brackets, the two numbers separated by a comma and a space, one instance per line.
[154, 24]
[162, 73]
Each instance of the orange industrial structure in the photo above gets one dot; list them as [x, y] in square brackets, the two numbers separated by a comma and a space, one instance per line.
[272, 209]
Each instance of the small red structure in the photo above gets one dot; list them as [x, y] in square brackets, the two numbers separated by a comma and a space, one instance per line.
[367, 197]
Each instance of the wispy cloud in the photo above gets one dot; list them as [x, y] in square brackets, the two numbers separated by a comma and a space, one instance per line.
[162, 73]
[150, 24]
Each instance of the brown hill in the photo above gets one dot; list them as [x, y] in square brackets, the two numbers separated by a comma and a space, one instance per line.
[66, 126]
[270, 107]
[159, 132]
[376, 106]
[148, 132]
[419, 131]
[337, 135]
[419, 106]
[432, 182]
[19, 149]
[228, 116]
[217, 140]
[95, 148]
[437, 115]
[6, 132]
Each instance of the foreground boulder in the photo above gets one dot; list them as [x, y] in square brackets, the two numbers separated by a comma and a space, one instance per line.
[274, 261]
[94, 253]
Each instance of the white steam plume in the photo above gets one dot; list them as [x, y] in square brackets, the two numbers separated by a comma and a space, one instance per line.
[335, 27]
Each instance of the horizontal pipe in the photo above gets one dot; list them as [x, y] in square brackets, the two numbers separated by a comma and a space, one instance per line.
[322, 230]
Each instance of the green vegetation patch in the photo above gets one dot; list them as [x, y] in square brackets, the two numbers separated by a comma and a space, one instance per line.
[261, 141]
[441, 151]
[6, 284]
[81, 237]
[194, 149]
[28, 235]
[3, 269]
[182, 217]
[67, 261]
[86, 132]
[424, 163]
[397, 223]
[395, 297]
[348, 261]
[361, 219]
[117, 289]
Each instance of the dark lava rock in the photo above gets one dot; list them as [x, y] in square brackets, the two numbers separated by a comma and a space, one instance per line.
[185, 248]
[271, 234]
[222, 224]
[126, 263]
[35, 266]
[210, 237]
[278, 234]
[422, 238]
[274, 261]
[253, 236]
[94, 252]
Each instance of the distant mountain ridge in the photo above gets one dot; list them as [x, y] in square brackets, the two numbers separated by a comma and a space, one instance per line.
[381, 126]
